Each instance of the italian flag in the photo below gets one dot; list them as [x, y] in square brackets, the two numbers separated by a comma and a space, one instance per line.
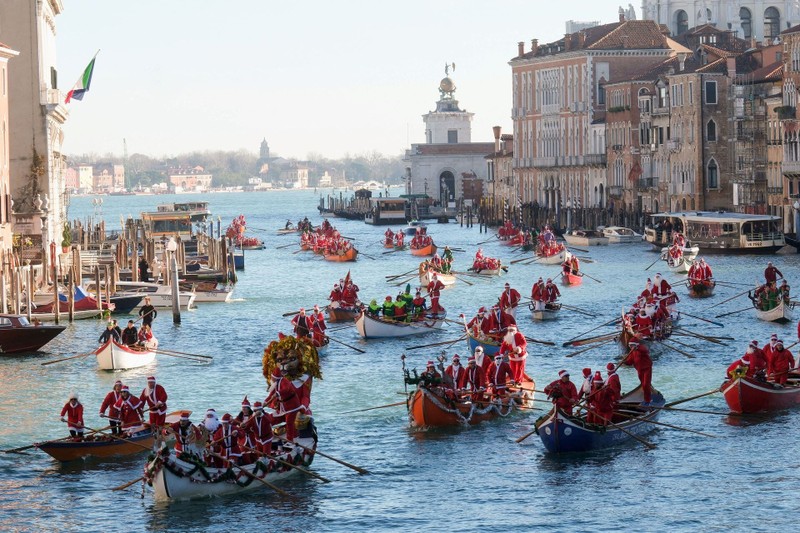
[82, 84]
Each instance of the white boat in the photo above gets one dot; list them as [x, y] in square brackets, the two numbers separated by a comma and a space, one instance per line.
[585, 238]
[620, 235]
[174, 479]
[373, 328]
[555, 259]
[719, 232]
[446, 279]
[115, 356]
[678, 266]
[689, 252]
[781, 313]
[160, 295]
[550, 311]
[64, 315]
[212, 296]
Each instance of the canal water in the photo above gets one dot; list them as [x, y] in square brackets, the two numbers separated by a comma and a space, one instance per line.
[459, 480]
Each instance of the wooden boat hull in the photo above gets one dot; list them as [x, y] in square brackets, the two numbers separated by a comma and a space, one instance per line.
[446, 279]
[372, 328]
[213, 296]
[349, 255]
[175, 479]
[781, 313]
[68, 450]
[428, 408]
[78, 315]
[342, 314]
[114, 356]
[748, 395]
[490, 348]
[550, 312]
[487, 272]
[689, 252]
[577, 240]
[571, 280]
[28, 338]
[555, 259]
[429, 250]
[562, 434]
[679, 267]
[700, 289]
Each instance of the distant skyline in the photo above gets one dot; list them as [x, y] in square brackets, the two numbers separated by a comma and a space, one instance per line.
[323, 77]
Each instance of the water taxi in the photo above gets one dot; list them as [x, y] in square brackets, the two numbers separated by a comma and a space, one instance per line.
[719, 232]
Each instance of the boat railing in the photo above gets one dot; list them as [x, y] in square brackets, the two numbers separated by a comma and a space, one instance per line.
[772, 236]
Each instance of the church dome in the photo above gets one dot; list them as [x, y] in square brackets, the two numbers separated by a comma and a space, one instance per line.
[447, 85]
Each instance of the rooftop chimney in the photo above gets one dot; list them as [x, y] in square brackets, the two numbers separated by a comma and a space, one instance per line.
[731, 67]
[581, 39]
[496, 130]
[520, 49]
[621, 15]
[534, 46]
[682, 61]
[567, 42]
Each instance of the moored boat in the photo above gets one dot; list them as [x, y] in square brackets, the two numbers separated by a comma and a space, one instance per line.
[97, 446]
[620, 235]
[549, 312]
[185, 477]
[750, 395]
[571, 279]
[780, 313]
[371, 327]
[349, 255]
[561, 433]
[430, 407]
[18, 335]
[586, 238]
[115, 356]
[700, 288]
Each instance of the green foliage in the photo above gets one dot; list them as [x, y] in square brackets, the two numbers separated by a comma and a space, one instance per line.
[66, 236]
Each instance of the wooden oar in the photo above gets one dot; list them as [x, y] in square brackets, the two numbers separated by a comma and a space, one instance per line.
[286, 463]
[677, 402]
[395, 276]
[720, 324]
[710, 338]
[488, 240]
[287, 245]
[344, 463]
[615, 319]
[573, 354]
[169, 354]
[579, 249]
[184, 353]
[690, 356]
[128, 484]
[373, 408]
[729, 299]
[585, 259]
[630, 434]
[515, 261]
[702, 412]
[653, 263]
[589, 340]
[28, 447]
[622, 413]
[525, 436]
[590, 277]
[366, 255]
[253, 476]
[575, 309]
[68, 358]
[735, 312]
[464, 280]
[409, 348]
[291, 313]
[359, 350]
[546, 343]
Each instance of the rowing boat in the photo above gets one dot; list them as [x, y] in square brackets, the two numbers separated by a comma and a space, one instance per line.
[425, 250]
[99, 447]
[750, 395]
[185, 477]
[490, 346]
[371, 327]
[780, 313]
[115, 356]
[350, 255]
[700, 288]
[435, 407]
[549, 312]
[571, 279]
[446, 279]
[561, 433]
[555, 259]
[689, 252]
[678, 266]
[338, 313]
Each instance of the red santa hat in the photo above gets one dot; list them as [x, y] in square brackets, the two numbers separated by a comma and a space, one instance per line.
[507, 285]
[779, 343]
[774, 337]
[633, 343]
[125, 389]
[498, 357]
[151, 378]
[549, 280]
[118, 382]
[754, 343]
[482, 310]
[226, 418]
[185, 415]
[471, 359]
[316, 307]
[745, 360]
[597, 377]
[587, 372]
[430, 364]
[611, 367]
[245, 402]
[562, 373]
[479, 349]
[456, 357]
[258, 406]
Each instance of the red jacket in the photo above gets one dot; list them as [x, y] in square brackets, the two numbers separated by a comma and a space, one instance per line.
[736, 364]
[475, 378]
[565, 395]
[500, 375]
[538, 291]
[509, 298]
[227, 440]
[183, 437]
[109, 403]
[639, 358]
[458, 374]
[602, 402]
[286, 396]
[781, 361]
[434, 287]
[74, 415]
[510, 348]
[260, 428]
[130, 411]
[153, 397]
[613, 384]
[552, 292]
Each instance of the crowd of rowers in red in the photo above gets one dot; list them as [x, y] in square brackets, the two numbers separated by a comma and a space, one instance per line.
[232, 439]
[772, 364]
[310, 326]
[483, 262]
[407, 308]
[769, 295]
[650, 317]
[546, 244]
[421, 239]
[490, 324]
[393, 240]
[325, 239]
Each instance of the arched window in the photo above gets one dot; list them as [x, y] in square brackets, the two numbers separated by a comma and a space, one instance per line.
[683, 204]
[772, 23]
[711, 131]
[712, 176]
[681, 22]
[747, 22]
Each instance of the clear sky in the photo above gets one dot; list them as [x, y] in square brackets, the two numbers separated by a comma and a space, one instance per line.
[330, 77]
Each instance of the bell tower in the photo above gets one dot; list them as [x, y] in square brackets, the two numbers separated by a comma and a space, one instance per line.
[449, 124]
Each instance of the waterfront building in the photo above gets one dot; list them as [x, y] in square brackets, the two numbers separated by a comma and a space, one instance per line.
[439, 167]
[6, 233]
[36, 119]
[790, 125]
[194, 179]
[109, 178]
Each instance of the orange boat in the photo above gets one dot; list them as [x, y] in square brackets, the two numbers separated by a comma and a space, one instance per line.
[571, 279]
[425, 250]
[349, 255]
[430, 408]
[342, 314]
[103, 446]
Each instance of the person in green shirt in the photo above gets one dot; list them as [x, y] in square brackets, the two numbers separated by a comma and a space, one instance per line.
[374, 309]
[388, 308]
